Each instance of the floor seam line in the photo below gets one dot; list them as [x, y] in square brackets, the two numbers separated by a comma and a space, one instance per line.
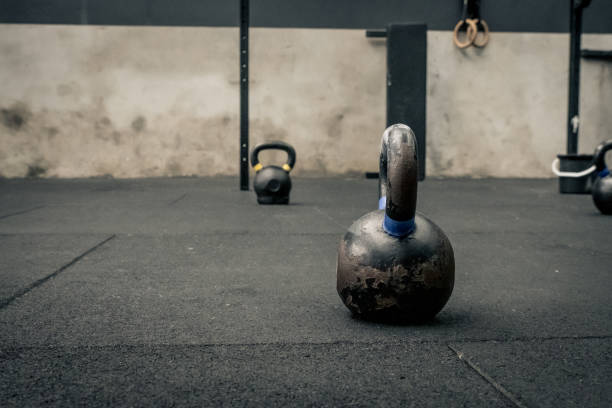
[535, 338]
[21, 212]
[229, 233]
[332, 219]
[265, 344]
[177, 200]
[5, 302]
[500, 388]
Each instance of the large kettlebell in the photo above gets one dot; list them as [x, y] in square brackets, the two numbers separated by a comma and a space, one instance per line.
[272, 184]
[395, 264]
[602, 188]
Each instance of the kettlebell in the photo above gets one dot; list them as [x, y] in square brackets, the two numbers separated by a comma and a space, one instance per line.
[602, 187]
[272, 184]
[395, 264]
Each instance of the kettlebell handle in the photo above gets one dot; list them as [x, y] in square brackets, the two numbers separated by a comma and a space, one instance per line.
[273, 146]
[398, 179]
[599, 157]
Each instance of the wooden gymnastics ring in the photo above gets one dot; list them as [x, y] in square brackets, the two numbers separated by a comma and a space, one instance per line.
[471, 32]
[481, 41]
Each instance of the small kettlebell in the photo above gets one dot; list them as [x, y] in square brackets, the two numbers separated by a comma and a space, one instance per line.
[272, 184]
[395, 264]
[602, 187]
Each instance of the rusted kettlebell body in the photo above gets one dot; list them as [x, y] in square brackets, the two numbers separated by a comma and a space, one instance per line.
[602, 188]
[395, 264]
[272, 184]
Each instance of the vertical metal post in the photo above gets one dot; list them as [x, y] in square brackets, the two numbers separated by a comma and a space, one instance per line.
[244, 94]
[407, 81]
[573, 114]
[573, 120]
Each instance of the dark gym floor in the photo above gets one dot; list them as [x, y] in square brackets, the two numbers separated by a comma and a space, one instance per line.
[186, 292]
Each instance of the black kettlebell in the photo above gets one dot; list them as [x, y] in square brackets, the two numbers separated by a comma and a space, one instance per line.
[602, 188]
[395, 264]
[272, 184]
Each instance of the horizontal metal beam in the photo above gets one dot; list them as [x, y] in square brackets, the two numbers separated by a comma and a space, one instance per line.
[596, 54]
[376, 33]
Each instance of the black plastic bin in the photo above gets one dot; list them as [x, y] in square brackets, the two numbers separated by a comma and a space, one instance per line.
[575, 163]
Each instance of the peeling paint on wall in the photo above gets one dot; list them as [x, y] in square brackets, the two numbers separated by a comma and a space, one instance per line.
[15, 117]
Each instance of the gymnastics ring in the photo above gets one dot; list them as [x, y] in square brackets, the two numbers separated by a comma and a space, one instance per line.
[484, 39]
[471, 32]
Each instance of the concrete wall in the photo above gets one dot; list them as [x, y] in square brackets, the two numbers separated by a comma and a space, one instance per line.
[122, 101]
[81, 101]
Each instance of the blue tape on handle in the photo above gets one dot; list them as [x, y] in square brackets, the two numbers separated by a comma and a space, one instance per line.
[604, 173]
[398, 228]
[382, 202]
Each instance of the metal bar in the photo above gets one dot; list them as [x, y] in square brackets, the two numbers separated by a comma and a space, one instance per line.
[596, 54]
[573, 117]
[244, 94]
[407, 81]
[376, 33]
